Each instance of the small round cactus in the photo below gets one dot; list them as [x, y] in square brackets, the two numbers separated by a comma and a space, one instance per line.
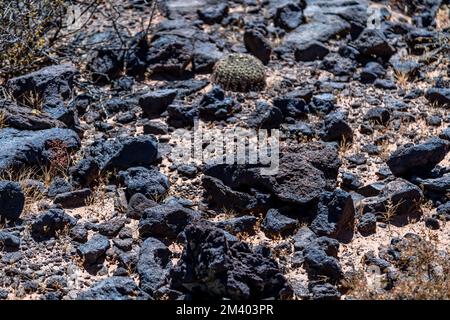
[239, 72]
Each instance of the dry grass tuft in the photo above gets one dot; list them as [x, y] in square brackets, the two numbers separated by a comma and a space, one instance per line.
[60, 159]
[402, 79]
[2, 120]
[443, 18]
[344, 147]
[423, 273]
[407, 7]
[32, 99]
[32, 193]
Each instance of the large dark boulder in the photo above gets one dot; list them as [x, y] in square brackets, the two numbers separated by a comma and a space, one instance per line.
[149, 182]
[49, 223]
[304, 172]
[165, 221]
[156, 102]
[20, 148]
[335, 216]
[439, 96]
[153, 265]
[114, 288]
[94, 250]
[25, 118]
[372, 43]
[215, 266]
[418, 159]
[125, 152]
[398, 197]
[12, 200]
[53, 86]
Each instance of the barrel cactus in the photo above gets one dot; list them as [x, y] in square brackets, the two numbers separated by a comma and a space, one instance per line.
[239, 72]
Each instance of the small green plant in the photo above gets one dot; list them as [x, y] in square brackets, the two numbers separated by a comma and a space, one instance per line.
[240, 72]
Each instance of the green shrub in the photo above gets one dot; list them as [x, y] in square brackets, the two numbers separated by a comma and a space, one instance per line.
[25, 29]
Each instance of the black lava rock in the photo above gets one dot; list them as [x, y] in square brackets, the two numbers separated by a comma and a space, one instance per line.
[9, 241]
[85, 172]
[323, 103]
[105, 65]
[153, 104]
[325, 291]
[216, 266]
[257, 44]
[213, 14]
[418, 159]
[165, 221]
[311, 51]
[385, 84]
[79, 233]
[57, 186]
[373, 43]
[12, 200]
[350, 181]
[137, 205]
[275, 224]
[73, 199]
[125, 152]
[54, 85]
[153, 265]
[443, 211]
[335, 216]
[378, 115]
[93, 250]
[149, 182]
[399, 195]
[180, 116]
[367, 224]
[439, 96]
[50, 222]
[215, 106]
[319, 264]
[111, 227]
[187, 170]
[244, 224]
[289, 16]
[265, 116]
[432, 223]
[371, 72]
[336, 128]
[114, 288]
[292, 105]
[21, 148]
